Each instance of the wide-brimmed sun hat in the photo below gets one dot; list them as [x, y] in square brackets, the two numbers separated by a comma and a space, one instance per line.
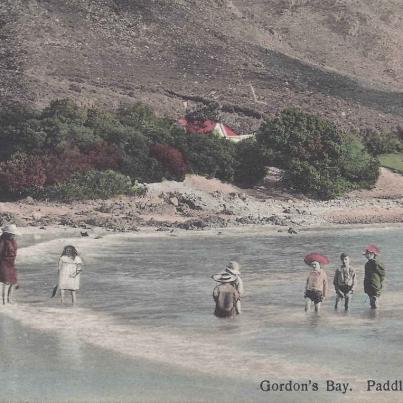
[372, 249]
[233, 267]
[10, 229]
[224, 277]
[316, 257]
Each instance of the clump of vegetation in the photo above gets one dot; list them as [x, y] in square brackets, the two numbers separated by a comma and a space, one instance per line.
[171, 159]
[318, 159]
[206, 112]
[66, 152]
[64, 139]
[91, 185]
[378, 143]
[393, 161]
[251, 163]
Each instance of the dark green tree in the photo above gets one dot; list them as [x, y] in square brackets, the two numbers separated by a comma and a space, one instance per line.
[318, 158]
[250, 163]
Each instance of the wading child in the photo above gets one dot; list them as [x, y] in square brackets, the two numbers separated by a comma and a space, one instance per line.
[8, 253]
[234, 269]
[344, 281]
[69, 268]
[374, 275]
[316, 284]
[225, 295]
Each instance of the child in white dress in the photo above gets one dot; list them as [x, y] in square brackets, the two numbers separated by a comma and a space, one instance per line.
[69, 268]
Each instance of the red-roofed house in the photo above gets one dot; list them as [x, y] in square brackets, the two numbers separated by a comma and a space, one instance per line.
[208, 127]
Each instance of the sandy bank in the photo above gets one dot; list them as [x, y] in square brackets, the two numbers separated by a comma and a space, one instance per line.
[200, 203]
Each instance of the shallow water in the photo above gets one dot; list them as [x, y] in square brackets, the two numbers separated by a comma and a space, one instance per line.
[146, 305]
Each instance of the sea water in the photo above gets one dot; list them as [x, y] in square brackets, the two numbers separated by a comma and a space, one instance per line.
[144, 329]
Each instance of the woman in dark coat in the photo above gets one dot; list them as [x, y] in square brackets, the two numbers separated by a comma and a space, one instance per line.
[8, 253]
[374, 275]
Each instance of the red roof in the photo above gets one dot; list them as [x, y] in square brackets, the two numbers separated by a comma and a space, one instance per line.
[199, 126]
[229, 132]
[205, 127]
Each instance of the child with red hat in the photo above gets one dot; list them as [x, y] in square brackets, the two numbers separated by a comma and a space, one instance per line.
[316, 287]
[374, 275]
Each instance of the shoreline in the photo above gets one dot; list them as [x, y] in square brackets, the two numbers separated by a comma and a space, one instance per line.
[200, 204]
[246, 230]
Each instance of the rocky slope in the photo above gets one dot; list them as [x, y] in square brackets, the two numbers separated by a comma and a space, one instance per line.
[340, 59]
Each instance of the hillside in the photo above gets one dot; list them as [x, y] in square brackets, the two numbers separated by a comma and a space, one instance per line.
[340, 59]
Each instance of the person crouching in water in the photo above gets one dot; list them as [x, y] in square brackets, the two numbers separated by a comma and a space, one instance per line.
[234, 269]
[225, 295]
[317, 283]
[70, 267]
[8, 254]
[344, 281]
[374, 275]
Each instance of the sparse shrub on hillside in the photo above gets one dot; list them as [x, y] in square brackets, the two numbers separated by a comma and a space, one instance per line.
[64, 110]
[251, 163]
[318, 159]
[205, 112]
[91, 185]
[171, 159]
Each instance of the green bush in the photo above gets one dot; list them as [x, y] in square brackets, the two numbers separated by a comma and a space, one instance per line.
[381, 143]
[209, 155]
[251, 163]
[91, 185]
[357, 166]
[320, 181]
[319, 160]
[295, 134]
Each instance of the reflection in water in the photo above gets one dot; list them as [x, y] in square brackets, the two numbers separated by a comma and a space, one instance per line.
[313, 319]
[70, 347]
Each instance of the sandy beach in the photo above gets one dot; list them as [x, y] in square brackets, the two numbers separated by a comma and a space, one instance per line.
[200, 203]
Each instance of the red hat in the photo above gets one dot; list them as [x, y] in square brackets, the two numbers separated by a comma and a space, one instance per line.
[316, 257]
[372, 249]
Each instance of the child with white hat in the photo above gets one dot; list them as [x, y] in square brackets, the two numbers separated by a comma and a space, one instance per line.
[225, 295]
[233, 268]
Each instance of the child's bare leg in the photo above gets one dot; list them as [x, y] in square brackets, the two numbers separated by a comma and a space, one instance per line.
[307, 304]
[5, 293]
[10, 294]
[238, 307]
[338, 298]
[347, 301]
[317, 307]
[62, 296]
[73, 297]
